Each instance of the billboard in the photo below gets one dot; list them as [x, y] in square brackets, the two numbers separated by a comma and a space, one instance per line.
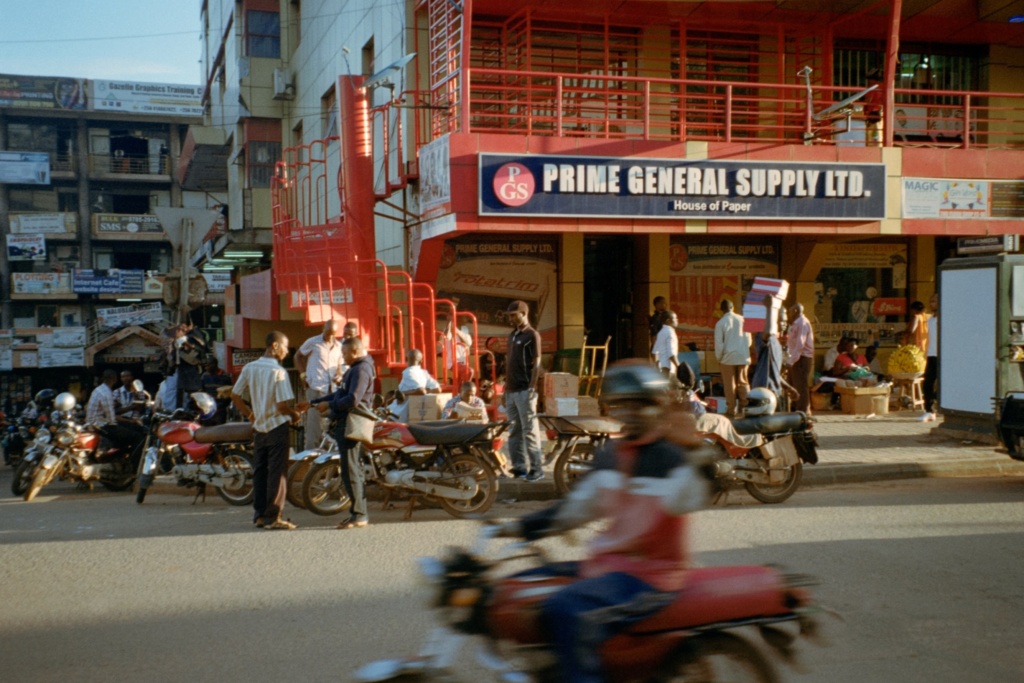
[43, 92]
[25, 168]
[159, 99]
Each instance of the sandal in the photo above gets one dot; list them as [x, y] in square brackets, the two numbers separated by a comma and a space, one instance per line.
[283, 524]
[353, 522]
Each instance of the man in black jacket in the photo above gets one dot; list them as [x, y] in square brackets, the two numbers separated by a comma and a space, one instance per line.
[356, 389]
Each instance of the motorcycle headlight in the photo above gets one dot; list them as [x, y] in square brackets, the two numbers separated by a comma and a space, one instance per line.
[42, 436]
[65, 438]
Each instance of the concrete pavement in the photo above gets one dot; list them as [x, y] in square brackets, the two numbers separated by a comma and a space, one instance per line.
[863, 449]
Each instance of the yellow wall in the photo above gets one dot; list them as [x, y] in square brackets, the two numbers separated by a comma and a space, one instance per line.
[570, 291]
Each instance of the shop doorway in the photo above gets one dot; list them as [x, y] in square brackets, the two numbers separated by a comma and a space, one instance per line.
[608, 293]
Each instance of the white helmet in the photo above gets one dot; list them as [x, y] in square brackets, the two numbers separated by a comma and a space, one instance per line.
[760, 401]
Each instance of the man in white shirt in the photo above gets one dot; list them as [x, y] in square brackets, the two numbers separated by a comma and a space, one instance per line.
[320, 366]
[666, 345]
[102, 411]
[416, 381]
[732, 349]
[270, 412]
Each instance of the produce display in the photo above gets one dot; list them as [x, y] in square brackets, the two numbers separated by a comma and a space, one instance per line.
[906, 359]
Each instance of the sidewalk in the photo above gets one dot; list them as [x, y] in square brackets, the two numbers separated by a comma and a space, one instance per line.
[857, 449]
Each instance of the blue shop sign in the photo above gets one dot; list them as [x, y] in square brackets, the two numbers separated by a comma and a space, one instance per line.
[89, 281]
[603, 187]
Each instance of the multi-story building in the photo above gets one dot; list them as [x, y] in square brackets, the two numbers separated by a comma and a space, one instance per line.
[89, 271]
[587, 157]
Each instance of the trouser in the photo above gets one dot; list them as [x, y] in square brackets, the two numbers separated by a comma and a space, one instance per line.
[800, 378]
[524, 431]
[269, 472]
[313, 425]
[583, 615]
[930, 385]
[353, 478]
[734, 381]
[127, 437]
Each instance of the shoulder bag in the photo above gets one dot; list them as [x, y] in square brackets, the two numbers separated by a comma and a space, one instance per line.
[359, 425]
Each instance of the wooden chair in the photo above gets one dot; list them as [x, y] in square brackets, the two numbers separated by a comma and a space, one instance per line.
[593, 363]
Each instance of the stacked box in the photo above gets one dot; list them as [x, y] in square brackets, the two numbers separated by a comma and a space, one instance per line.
[864, 400]
[427, 407]
[561, 406]
[588, 406]
[560, 385]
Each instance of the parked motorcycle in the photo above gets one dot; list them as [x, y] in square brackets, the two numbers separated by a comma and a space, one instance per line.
[22, 430]
[80, 454]
[179, 446]
[701, 636]
[299, 464]
[576, 439]
[453, 464]
[38, 447]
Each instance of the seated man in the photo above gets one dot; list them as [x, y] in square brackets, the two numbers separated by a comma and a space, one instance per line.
[416, 381]
[467, 405]
[645, 484]
[103, 413]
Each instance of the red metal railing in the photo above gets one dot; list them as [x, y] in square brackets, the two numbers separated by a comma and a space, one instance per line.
[622, 107]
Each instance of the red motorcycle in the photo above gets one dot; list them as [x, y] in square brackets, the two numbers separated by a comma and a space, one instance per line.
[695, 639]
[194, 455]
[451, 463]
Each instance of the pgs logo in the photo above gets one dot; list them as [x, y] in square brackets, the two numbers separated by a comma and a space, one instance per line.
[514, 184]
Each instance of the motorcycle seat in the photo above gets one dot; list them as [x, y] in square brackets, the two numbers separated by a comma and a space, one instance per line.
[770, 424]
[230, 432]
[576, 424]
[452, 433]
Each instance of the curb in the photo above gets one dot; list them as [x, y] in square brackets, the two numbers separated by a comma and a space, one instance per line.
[510, 490]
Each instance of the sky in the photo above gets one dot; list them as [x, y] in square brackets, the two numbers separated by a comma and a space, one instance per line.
[134, 40]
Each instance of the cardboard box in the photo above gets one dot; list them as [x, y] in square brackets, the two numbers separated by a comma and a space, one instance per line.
[427, 407]
[864, 400]
[464, 411]
[715, 404]
[561, 406]
[588, 406]
[560, 385]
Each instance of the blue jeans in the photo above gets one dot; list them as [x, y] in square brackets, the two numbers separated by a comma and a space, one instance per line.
[524, 431]
[583, 615]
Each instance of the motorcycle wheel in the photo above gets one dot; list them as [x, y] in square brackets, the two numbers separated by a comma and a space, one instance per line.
[239, 493]
[322, 491]
[40, 478]
[777, 493]
[578, 457]
[296, 475]
[121, 480]
[487, 487]
[720, 657]
[23, 477]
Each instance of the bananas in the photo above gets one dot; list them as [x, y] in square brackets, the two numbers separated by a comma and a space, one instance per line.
[907, 358]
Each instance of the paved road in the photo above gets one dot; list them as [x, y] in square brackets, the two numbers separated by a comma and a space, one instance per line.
[95, 588]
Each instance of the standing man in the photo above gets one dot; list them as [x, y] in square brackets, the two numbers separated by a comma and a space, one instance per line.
[732, 349]
[356, 389]
[931, 367]
[656, 320]
[319, 363]
[270, 414]
[665, 351]
[522, 368]
[800, 357]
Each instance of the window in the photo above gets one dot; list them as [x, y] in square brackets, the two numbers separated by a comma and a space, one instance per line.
[261, 158]
[329, 114]
[263, 34]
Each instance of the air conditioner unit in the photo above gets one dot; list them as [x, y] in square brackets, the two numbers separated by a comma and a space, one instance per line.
[284, 88]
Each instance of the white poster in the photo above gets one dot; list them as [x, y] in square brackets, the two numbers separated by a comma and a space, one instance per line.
[43, 223]
[59, 357]
[64, 337]
[147, 98]
[948, 199]
[113, 318]
[26, 248]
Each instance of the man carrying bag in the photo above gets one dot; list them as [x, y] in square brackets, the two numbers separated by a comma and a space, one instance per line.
[356, 390]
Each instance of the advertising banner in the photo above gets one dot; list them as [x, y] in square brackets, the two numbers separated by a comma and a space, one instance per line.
[53, 224]
[963, 199]
[159, 99]
[217, 282]
[41, 283]
[24, 168]
[26, 248]
[484, 275]
[120, 225]
[89, 281]
[701, 276]
[42, 92]
[601, 187]
[59, 357]
[435, 178]
[137, 314]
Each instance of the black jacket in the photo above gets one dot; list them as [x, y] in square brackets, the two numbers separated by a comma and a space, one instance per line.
[356, 388]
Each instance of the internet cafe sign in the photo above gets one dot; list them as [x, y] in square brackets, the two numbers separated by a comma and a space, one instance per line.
[602, 187]
[119, 226]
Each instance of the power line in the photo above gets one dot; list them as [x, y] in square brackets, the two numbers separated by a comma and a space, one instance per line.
[81, 40]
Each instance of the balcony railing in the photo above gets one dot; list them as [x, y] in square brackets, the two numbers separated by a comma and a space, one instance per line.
[619, 107]
[130, 164]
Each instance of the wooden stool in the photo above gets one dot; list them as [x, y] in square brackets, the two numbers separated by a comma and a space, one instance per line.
[909, 393]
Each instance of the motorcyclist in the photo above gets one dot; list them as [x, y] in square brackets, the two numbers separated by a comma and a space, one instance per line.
[103, 413]
[644, 483]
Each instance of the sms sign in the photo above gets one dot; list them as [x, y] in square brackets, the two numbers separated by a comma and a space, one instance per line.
[513, 184]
